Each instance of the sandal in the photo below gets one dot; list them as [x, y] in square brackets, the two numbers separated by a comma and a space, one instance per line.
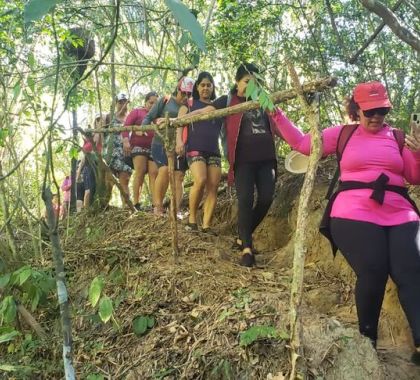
[247, 260]
[191, 227]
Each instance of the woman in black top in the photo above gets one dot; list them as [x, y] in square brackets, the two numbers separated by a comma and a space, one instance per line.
[202, 151]
[252, 159]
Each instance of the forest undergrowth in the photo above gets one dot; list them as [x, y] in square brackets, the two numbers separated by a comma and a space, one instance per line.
[204, 317]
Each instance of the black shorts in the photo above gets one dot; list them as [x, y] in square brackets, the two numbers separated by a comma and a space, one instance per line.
[140, 151]
[210, 159]
[80, 191]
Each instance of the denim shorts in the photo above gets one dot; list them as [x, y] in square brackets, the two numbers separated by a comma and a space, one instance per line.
[161, 159]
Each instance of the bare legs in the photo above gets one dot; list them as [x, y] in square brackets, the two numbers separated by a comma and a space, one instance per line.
[205, 177]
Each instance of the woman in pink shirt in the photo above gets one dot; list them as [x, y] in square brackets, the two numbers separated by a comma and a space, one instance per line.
[66, 187]
[138, 145]
[372, 220]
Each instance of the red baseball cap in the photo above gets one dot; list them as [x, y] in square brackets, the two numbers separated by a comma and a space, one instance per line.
[371, 95]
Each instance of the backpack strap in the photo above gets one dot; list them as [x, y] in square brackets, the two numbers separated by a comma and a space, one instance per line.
[399, 136]
[343, 138]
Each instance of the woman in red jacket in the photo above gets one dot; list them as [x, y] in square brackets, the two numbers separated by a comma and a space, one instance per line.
[252, 159]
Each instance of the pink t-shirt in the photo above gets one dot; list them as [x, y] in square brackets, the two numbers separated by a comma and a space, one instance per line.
[66, 186]
[135, 117]
[365, 157]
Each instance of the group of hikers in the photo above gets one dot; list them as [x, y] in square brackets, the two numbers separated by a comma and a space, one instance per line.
[370, 218]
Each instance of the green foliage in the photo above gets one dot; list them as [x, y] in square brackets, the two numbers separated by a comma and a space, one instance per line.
[95, 290]
[7, 310]
[95, 376]
[188, 21]
[142, 324]
[105, 309]
[36, 9]
[8, 336]
[33, 287]
[246, 338]
[242, 298]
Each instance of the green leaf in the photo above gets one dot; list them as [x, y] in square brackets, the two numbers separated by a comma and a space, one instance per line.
[74, 152]
[150, 322]
[95, 290]
[8, 310]
[16, 91]
[4, 280]
[24, 275]
[142, 323]
[95, 376]
[9, 336]
[14, 368]
[31, 83]
[36, 9]
[254, 333]
[250, 88]
[105, 309]
[187, 21]
[35, 299]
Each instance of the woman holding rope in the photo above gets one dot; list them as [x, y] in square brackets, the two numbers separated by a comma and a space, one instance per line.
[202, 151]
[252, 160]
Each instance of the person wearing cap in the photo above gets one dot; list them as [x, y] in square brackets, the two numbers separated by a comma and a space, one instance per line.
[168, 105]
[138, 146]
[202, 151]
[252, 160]
[371, 218]
[114, 153]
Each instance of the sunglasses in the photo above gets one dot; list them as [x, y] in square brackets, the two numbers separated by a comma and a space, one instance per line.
[378, 111]
[183, 93]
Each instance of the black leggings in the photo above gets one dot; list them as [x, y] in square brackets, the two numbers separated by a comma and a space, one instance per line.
[375, 252]
[261, 175]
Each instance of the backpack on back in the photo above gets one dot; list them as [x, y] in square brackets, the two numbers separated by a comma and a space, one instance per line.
[343, 138]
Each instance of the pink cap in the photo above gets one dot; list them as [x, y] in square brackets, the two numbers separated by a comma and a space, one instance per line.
[371, 95]
[186, 84]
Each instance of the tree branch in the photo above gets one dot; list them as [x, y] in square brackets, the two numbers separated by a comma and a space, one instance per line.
[394, 23]
[277, 97]
[353, 59]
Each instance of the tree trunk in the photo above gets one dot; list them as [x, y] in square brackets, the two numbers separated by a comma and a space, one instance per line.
[5, 211]
[60, 279]
[73, 188]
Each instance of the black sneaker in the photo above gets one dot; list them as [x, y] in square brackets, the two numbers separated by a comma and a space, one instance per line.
[247, 260]
[137, 206]
[415, 358]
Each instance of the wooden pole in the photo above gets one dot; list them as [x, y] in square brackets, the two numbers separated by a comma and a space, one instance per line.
[169, 147]
[277, 97]
[300, 246]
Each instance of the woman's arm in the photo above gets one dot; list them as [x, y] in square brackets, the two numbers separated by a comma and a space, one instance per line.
[411, 157]
[300, 141]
